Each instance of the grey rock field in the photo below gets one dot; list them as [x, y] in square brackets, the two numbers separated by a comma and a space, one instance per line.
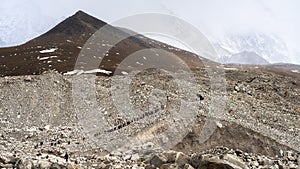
[44, 124]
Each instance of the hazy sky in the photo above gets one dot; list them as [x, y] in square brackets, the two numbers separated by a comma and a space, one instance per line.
[216, 17]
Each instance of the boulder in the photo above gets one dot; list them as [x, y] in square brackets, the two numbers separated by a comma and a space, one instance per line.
[158, 160]
[235, 160]
[182, 159]
[215, 163]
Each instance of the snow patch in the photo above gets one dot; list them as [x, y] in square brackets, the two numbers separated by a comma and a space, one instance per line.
[43, 58]
[230, 68]
[78, 72]
[139, 63]
[124, 73]
[295, 71]
[48, 50]
[98, 71]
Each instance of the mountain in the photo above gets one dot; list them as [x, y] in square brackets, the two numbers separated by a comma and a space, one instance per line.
[270, 47]
[58, 49]
[78, 27]
[248, 58]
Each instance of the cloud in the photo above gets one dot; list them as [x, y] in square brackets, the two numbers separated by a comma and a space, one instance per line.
[214, 16]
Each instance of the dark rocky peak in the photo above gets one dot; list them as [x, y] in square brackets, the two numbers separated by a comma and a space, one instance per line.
[76, 25]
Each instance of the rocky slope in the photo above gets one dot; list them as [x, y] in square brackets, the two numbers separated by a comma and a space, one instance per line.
[58, 49]
[40, 126]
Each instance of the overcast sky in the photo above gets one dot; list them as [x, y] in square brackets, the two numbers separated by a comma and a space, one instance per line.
[216, 17]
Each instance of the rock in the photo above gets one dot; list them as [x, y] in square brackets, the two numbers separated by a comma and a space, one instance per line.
[292, 166]
[200, 96]
[44, 164]
[282, 166]
[265, 162]
[214, 163]
[148, 145]
[188, 166]
[118, 166]
[102, 165]
[291, 158]
[219, 124]
[239, 152]
[298, 160]
[135, 157]
[2, 148]
[24, 164]
[170, 155]
[142, 164]
[126, 157]
[27, 79]
[281, 153]
[135, 167]
[94, 165]
[119, 154]
[196, 160]
[4, 160]
[55, 166]
[158, 160]
[14, 161]
[47, 127]
[109, 166]
[181, 159]
[3, 134]
[6, 166]
[236, 88]
[169, 166]
[150, 167]
[235, 160]
[254, 163]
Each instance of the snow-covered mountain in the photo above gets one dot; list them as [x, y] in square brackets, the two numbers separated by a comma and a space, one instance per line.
[267, 46]
[22, 21]
[250, 58]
